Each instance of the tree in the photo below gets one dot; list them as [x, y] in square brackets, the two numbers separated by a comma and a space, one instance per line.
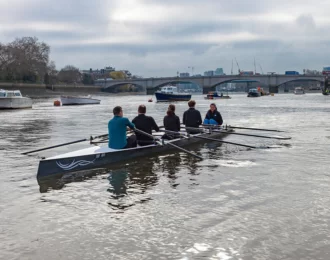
[52, 72]
[47, 79]
[69, 74]
[24, 59]
[87, 79]
[117, 75]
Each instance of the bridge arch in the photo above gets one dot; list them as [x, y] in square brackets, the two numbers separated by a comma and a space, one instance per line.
[176, 82]
[249, 83]
[286, 88]
[114, 87]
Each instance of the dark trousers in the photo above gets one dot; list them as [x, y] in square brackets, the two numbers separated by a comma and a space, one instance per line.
[131, 142]
[145, 142]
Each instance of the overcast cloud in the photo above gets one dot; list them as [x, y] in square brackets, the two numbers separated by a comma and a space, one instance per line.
[159, 38]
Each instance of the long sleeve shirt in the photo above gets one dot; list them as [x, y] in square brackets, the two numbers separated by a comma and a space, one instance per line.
[117, 132]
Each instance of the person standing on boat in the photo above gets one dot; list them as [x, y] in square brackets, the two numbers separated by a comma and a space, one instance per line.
[145, 124]
[171, 122]
[192, 117]
[213, 116]
[117, 128]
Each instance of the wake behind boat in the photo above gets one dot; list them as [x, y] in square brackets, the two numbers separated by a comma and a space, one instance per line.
[14, 100]
[170, 93]
[101, 156]
[75, 100]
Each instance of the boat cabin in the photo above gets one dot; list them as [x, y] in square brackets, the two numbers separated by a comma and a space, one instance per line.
[253, 90]
[10, 94]
[169, 90]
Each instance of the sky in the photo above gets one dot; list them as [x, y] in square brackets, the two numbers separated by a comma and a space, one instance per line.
[156, 38]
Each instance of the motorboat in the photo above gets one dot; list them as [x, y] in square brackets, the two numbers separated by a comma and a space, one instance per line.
[215, 95]
[299, 91]
[13, 99]
[170, 93]
[253, 92]
[76, 100]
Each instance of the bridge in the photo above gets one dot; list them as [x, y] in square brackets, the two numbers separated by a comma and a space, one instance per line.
[209, 83]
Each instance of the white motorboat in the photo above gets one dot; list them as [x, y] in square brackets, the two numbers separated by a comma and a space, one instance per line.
[13, 99]
[299, 91]
[73, 100]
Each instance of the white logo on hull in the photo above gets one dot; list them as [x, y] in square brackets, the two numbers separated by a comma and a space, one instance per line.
[74, 164]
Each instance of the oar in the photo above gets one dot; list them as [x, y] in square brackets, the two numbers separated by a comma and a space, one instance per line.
[261, 136]
[168, 143]
[258, 129]
[225, 142]
[64, 144]
[55, 146]
[216, 140]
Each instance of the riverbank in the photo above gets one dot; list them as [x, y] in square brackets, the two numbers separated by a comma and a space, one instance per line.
[41, 90]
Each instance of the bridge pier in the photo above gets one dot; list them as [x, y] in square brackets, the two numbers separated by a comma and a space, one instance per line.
[207, 89]
[273, 89]
[151, 91]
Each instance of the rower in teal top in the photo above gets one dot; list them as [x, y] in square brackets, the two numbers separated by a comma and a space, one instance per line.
[117, 131]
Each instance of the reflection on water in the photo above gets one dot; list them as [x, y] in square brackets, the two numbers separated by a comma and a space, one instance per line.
[118, 183]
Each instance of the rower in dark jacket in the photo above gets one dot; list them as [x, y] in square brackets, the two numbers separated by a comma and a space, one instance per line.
[171, 122]
[192, 117]
[145, 124]
[213, 116]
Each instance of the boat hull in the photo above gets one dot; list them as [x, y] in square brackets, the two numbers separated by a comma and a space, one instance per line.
[70, 101]
[224, 97]
[15, 103]
[163, 97]
[99, 157]
[253, 95]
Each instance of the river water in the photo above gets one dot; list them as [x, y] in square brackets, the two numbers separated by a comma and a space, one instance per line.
[237, 203]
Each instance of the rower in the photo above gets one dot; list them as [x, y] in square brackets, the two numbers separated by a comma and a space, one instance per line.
[117, 131]
[192, 117]
[171, 122]
[213, 116]
[145, 124]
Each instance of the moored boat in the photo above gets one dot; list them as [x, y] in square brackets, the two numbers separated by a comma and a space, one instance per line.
[215, 95]
[170, 93]
[253, 92]
[326, 88]
[299, 91]
[101, 156]
[75, 100]
[13, 99]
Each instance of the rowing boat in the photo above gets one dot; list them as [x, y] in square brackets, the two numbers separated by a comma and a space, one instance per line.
[101, 156]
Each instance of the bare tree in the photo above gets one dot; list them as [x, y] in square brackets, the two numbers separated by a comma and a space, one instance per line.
[24, 58]
[70, 74]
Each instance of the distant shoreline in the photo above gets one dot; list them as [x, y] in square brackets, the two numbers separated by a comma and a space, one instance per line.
[41, 90]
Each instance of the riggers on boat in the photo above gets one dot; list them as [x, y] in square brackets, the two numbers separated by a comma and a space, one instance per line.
[99, 157]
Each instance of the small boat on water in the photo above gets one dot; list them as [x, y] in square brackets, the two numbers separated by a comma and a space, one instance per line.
[101, 156]
[326, 92]
[253, 92]
[299, 91]
[170, 93]
[74, 100]
[13, 99]
[215, 95]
